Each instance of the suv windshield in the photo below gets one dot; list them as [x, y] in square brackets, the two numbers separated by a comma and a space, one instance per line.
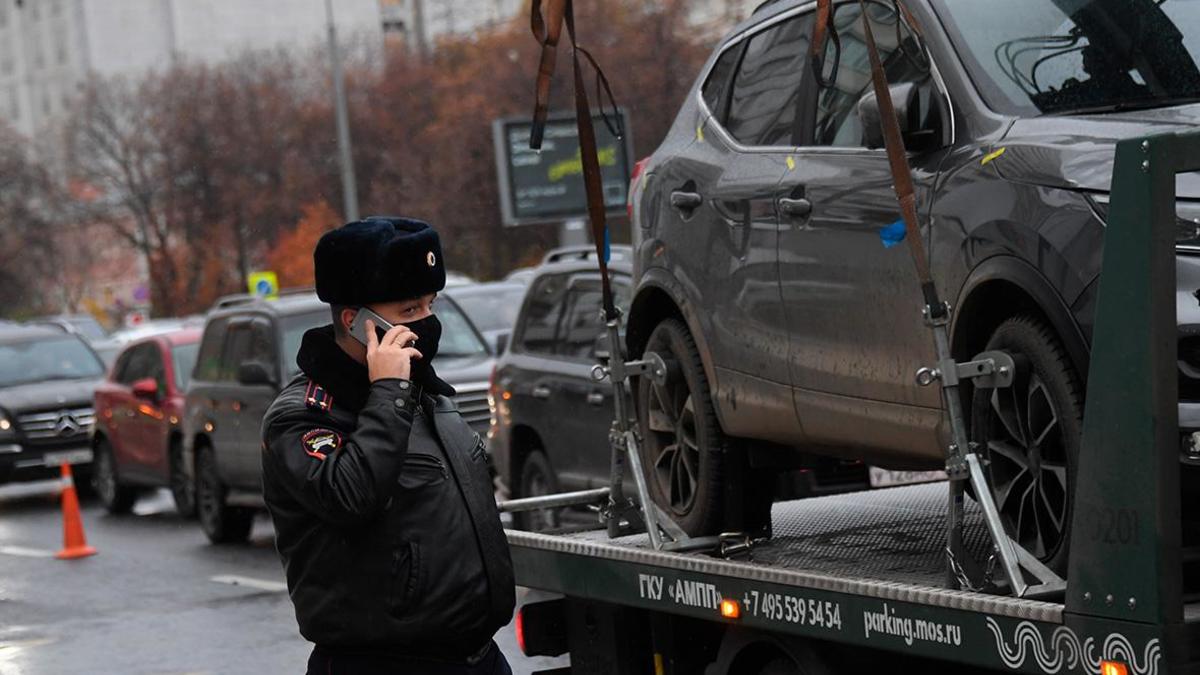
[492, 310]
[184, 356]
[294, 328]
[459, 338]
[65, 358]
[1058, 56]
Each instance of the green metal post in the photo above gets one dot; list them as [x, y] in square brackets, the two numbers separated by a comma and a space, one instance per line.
[1125, 543]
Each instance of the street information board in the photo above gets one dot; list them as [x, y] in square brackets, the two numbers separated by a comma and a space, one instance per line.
[547, 186]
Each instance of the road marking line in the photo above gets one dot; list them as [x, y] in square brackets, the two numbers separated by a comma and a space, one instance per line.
[248, 582]
[26, 552]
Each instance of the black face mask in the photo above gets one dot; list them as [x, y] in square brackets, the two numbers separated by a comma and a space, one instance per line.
[429, 334]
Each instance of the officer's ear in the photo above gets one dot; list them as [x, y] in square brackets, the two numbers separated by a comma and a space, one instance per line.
[343, 317]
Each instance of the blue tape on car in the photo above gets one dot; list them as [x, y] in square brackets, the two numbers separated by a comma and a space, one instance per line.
[893, 234]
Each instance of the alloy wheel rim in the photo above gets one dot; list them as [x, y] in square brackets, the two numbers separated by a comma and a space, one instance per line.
[676, 465]
[1028, 464]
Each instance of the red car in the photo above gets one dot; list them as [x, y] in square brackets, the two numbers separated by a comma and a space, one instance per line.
[137, 438]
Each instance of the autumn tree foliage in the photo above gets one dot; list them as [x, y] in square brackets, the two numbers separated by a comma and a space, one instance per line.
[292, 256]
[210, 172]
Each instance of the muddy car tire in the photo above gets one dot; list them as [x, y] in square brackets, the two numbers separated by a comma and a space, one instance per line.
[537, 480]
[1030, 434]
[116, 498]
[222, 523]
[683, 447]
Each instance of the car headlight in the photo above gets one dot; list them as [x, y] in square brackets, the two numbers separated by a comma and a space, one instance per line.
[1187, 220]
[6, 426]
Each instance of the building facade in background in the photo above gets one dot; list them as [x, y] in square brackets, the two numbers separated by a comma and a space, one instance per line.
[419, 24]
[715, 17]
[48, 48]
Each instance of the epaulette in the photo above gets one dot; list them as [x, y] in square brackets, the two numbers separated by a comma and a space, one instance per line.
[317, 398]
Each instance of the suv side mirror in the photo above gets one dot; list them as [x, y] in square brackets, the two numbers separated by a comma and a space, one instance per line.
[906, 97]
[255, 372]
[146, 388]
[501, 343]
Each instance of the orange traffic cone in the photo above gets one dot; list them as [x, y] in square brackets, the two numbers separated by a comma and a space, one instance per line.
[74, 542]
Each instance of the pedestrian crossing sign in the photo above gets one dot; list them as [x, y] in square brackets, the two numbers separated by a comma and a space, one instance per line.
[264, 285]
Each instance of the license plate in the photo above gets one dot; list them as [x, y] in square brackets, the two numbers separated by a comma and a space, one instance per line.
[67, 457]
[888, 478]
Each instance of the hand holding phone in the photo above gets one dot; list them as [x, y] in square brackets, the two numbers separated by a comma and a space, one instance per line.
[389, 350]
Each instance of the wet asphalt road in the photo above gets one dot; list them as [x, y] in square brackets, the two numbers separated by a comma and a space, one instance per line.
[157, 599]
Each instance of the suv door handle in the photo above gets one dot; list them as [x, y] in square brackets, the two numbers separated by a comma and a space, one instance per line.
[596, 398]
[795, 208]
[541, 391]
[685, 201]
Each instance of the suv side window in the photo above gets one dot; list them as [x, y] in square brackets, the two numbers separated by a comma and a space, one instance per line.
[138, 364]
[716, 88]
[208, 361]
[766, 91]
[837, 121]
[237, 350]
[542, 310]
[581, 323]
[262, 344]
[122, 365]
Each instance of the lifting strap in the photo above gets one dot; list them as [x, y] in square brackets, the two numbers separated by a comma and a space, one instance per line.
[893, 140]
[548, 18]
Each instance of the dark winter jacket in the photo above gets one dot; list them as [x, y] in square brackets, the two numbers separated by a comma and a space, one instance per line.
[384, 512]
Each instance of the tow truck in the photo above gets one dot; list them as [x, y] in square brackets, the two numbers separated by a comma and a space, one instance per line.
[867, 582]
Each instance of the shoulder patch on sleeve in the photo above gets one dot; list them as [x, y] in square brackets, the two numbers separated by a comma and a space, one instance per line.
[320, 443]
[317, 398]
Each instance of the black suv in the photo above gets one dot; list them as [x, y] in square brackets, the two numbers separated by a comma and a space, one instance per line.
[47, 380]
[550, 419]
[247, 354]
[761, 223]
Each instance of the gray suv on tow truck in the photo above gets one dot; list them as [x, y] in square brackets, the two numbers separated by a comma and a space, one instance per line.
[765, 228]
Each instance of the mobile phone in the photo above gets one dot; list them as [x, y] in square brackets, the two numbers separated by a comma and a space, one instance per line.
[358, 327]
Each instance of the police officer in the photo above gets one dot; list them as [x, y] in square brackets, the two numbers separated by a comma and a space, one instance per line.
[383, 508]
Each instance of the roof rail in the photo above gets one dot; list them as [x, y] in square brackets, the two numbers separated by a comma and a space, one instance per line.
[763, 6]
[298, 290]
[581, 252]
[235, 300]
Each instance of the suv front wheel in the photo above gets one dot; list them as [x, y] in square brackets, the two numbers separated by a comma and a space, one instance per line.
[221, 522]
[116, 497]
[682, 443]
[1030, 434]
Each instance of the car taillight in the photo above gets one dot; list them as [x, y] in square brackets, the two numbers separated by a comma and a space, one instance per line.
[638, 168]
[521, 630]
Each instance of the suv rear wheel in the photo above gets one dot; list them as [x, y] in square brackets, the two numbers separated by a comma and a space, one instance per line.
[682, 444]
[116, 498]
[221, 522]
[1030, 435]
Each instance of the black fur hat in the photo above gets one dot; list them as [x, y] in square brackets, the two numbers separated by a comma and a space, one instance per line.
[379, 259]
